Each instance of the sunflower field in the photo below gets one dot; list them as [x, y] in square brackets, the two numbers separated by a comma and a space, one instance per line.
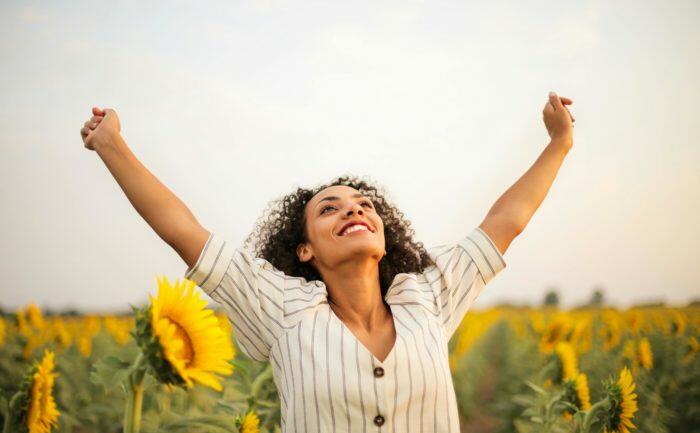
[515, 370]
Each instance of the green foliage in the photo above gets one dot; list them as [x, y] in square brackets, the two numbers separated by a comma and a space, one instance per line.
[543, 411]
[501, 379]
[111, 372]
[491, 373]
[500, 382]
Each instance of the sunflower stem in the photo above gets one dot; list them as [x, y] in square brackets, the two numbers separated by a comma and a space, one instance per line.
[134, 400]
[592, 413]
[6, 427]
[9, 426]
[166, 401]
[10, 416]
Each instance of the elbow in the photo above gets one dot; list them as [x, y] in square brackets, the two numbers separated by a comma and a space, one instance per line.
[516, 222]
[511, 224]
[502, 230]
[518, 227]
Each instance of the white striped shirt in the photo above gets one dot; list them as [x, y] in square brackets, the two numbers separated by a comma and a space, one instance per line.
[327, 380]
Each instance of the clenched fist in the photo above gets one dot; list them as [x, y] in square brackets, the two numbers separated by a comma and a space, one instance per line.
[102, 127]
[557, 118]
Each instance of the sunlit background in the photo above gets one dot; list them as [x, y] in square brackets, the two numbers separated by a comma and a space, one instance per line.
[233, 104]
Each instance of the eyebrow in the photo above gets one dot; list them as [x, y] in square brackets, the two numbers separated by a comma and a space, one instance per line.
[332, 197]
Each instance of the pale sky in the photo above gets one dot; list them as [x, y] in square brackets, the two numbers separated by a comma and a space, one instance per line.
[233, 104]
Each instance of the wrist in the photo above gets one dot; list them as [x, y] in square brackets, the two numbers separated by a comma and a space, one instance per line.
[565, 142]
[107, 140]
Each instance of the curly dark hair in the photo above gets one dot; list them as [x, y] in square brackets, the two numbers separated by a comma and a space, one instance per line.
[282, 227]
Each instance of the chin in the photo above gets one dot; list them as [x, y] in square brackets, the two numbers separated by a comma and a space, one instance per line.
[365, 250]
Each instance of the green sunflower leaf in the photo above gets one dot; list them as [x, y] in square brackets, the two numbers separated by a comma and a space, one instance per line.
[110, 372]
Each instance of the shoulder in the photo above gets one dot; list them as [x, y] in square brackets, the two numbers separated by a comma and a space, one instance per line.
[412, 289]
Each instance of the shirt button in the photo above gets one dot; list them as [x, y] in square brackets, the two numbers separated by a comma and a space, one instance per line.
[378, 420]
[378, 372]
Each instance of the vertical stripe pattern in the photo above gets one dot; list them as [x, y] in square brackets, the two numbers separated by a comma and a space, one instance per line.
[327, 379]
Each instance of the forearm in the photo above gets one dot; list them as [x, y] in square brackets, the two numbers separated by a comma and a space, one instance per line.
[162, 210]
[521, 200]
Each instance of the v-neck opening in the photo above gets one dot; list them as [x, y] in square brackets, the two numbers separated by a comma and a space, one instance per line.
[357, 340]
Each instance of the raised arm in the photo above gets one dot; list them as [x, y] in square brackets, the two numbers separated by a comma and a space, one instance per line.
[162, 210]
[511, 213]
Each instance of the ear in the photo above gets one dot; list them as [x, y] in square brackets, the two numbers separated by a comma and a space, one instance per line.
[304, 252]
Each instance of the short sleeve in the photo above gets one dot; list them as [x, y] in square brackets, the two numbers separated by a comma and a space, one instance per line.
[461, 271]
[250, 290]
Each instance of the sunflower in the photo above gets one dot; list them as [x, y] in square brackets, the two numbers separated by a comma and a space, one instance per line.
[33, 341]
[583, 392]
[181, 339]
[634, 321]
[580, 396]
[623, 404]
[644, 354]
[611, 333]
[581, 337]
[577, 393]
[567, 361]
[42, 413]
[36, 319]
[33, 407]
[248, 424]
[59, 333]
[678, 324]
[629, 351]
[555, 331]
[22, 324]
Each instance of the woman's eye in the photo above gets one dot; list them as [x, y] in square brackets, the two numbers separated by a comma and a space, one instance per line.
[369, 204]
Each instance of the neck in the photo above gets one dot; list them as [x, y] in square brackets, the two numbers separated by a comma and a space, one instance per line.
[355, 295]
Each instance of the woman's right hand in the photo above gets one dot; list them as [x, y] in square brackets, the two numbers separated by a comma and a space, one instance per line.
[557, 118]
[102, 127]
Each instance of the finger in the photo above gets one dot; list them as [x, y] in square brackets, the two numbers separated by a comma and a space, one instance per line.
[85, 131]
[555, 101]
[566, 101]
[548, 108]
[96, 119]
[573, 119]
[98, 111]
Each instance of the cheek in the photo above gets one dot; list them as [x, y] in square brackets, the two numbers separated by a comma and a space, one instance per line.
[380, 224]
[321, 229]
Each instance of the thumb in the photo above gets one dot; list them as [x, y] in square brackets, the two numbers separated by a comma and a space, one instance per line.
[555, 101]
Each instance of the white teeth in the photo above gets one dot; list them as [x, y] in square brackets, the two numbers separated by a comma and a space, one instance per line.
[354, 228]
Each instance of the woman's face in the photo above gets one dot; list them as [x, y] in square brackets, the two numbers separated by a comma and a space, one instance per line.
[327, 215]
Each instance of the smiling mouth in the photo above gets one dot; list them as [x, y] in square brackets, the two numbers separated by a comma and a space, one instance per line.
[352, 229]
[354, 232]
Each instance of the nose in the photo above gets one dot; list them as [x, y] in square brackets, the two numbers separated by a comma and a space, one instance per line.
[354, 206]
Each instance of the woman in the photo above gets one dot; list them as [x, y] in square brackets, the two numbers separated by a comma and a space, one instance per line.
[352, 313]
